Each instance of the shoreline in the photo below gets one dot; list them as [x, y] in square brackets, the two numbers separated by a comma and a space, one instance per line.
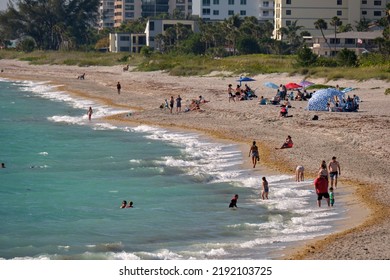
[147, 113]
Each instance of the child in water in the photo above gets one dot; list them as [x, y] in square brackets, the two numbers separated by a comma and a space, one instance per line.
[233, 202]
[331, 196]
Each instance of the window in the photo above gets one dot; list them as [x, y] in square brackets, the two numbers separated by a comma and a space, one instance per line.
[215, 12]
[206, 11]
[231, 13]
[377, 13]
[339, 13]
[231, 2]
[364, 13]
[339, 2]
[335, 41]
[151, 26]
[350, 41]
[206, 2]
[288, 12]
[377, 3]
[242, 13]
[288, 22]
[242, 2]
[216, 2]
[265, 4]
[124, 38]
[288, 2]
[265, 13]
[364, 2]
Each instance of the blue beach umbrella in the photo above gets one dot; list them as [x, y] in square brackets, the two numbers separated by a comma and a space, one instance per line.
[305, 84]
[245, 79]
[319, 100]
[271, 85]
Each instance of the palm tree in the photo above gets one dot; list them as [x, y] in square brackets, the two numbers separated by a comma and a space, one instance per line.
[322, 25]
[290, 31]
[362, 25]
[335, 22]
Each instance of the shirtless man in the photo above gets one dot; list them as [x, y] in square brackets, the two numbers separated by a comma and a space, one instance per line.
[334, 171]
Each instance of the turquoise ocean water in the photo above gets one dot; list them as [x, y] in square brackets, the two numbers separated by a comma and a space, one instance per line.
[65, 178]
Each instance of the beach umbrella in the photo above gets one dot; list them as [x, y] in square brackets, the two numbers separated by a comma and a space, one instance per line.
[245, 79]
[348, 89]
[292, 86]
[305, 83]
[319, 100]
[271, 85]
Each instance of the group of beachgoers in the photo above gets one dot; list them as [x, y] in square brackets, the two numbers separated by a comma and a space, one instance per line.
[193, 106]
[321, 183]
[350, 104]
[240, 94]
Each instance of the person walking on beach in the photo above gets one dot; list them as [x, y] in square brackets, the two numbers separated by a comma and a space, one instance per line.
[323, 171]
[178, 104]
[331, 196]
[230, 93]
[171, 103]
[90, 111]
[299, 173]
[2, 165]
[233, 201]
[264, 193]
[321, 187]
[254, 152]
[334, 171]
[118, 87]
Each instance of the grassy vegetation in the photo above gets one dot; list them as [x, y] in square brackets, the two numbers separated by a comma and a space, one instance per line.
[185, 65]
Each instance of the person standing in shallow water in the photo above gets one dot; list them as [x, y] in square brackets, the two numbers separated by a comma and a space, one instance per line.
[90, 111]
[254, 152]
[264, 193]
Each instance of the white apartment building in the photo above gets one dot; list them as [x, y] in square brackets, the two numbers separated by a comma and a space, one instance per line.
[309, 11]
[215, 10]
[127, 10]
[106, 14]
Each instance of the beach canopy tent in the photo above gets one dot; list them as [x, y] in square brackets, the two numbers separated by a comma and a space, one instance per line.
[292, 86]
[319, 99]
[245, 79]
[271, 85]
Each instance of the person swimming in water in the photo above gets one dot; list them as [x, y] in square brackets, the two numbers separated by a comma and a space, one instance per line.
[124, 204]
[233, 202]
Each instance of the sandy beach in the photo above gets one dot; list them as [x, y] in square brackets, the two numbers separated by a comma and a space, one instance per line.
[359, 140]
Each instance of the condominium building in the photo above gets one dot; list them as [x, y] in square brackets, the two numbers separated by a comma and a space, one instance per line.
[127, 10]
[215, 10]
[306, 12]
[106, 14]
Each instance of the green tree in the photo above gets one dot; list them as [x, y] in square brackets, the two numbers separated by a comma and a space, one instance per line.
[291, 34]
[347, 58]
[248, 45]
[335, 22]
[305, 57]
[322, 25]
[26, 45]
[362, 25]
[51, 23]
